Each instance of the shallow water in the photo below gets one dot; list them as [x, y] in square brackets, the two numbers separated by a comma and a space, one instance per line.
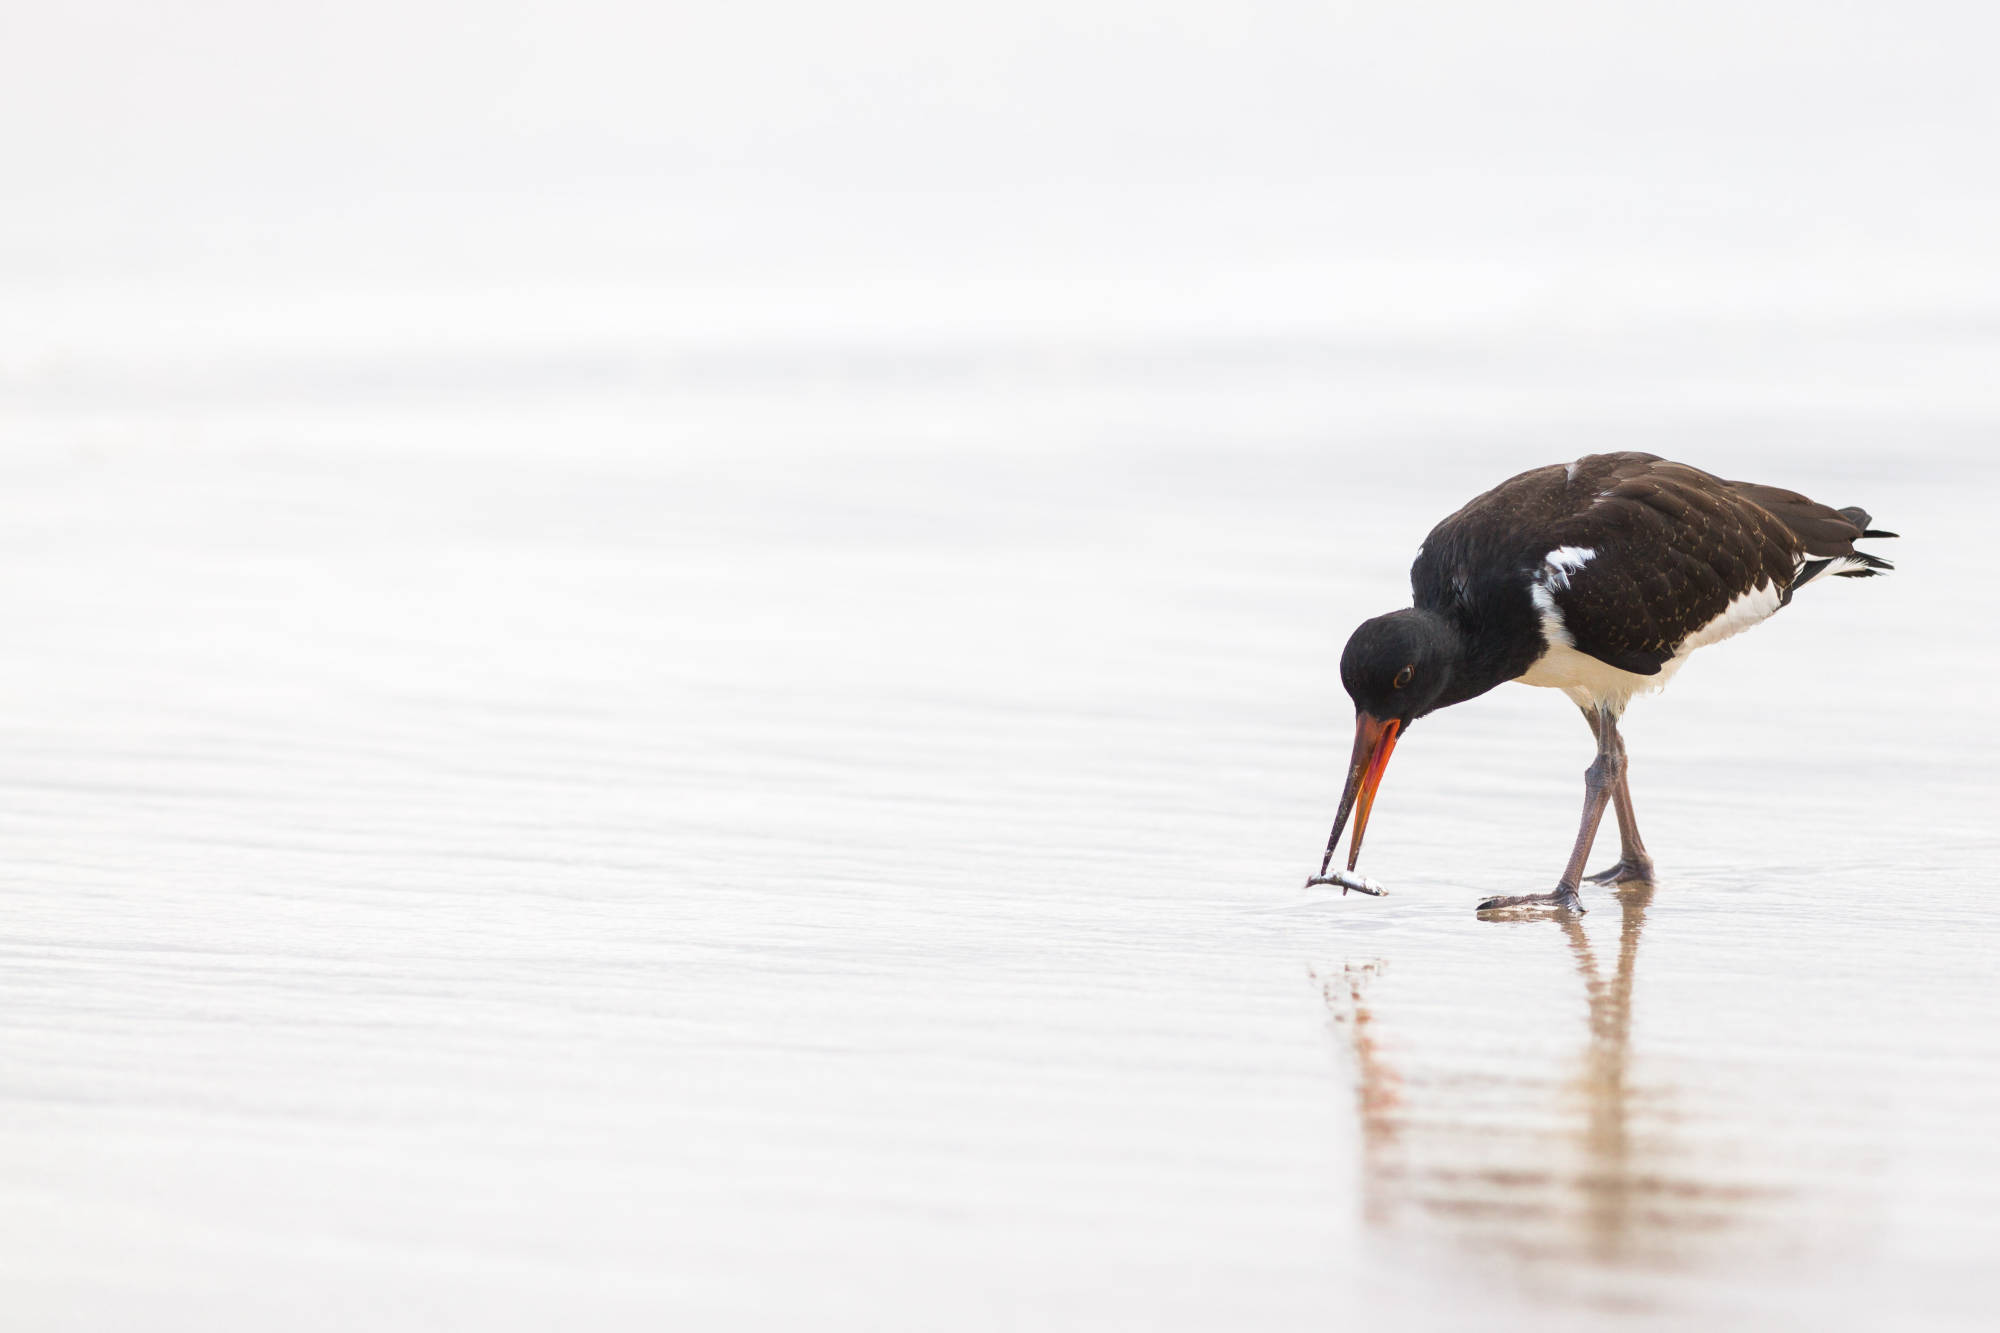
[589, 836]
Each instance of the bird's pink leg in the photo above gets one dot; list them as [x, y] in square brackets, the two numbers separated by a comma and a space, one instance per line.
[1633, 864]
[1600, 781]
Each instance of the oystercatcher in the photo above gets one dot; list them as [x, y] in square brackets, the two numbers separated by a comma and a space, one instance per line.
[1597, 578]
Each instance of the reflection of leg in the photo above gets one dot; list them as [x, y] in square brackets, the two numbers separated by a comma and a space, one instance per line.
[1633, 864]
[1611, 999]
[1599, 781]
[1621, 1205]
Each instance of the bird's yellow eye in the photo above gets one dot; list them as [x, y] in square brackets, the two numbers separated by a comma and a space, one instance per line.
[1405, 676]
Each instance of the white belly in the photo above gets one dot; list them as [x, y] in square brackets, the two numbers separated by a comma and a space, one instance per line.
[1591, 683]
[1594, 684]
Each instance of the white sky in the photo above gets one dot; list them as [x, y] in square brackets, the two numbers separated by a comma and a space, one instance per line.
[631, 135]
[116, 98]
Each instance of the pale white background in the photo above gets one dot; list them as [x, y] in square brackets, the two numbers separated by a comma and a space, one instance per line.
[674, 665]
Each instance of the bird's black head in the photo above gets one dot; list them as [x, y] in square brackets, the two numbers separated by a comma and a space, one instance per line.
[1397, 667]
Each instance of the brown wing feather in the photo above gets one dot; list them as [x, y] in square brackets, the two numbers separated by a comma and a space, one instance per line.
[1676, 546]
[1820, 530]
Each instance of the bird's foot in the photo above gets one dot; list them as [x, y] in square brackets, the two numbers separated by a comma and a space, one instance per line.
[1628, 870]
[1563, 899]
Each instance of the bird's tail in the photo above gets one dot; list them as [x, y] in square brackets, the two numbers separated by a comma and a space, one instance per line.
[1861, 564]
[1825, 534]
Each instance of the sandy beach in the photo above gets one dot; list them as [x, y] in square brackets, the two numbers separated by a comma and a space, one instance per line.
[825, 844]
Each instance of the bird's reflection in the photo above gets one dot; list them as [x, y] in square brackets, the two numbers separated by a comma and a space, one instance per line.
[1619, 1197]
[1544, 1148]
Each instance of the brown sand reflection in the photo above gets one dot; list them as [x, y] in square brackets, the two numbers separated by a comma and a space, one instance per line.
[1548, 1152]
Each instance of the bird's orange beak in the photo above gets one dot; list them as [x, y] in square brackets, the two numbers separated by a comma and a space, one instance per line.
[1374, 741]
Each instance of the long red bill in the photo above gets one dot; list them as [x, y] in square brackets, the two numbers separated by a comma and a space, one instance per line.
[1374, 741]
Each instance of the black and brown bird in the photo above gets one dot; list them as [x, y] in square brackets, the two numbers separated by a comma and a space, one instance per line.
[1597, 578]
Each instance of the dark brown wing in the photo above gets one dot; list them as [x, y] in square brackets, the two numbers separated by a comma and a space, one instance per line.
[1648, 552]
[1674, 547]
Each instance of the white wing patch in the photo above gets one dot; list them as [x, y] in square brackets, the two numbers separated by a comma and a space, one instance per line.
[1562, 562]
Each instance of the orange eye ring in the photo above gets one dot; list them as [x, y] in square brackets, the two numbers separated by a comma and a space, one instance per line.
[1404, 677]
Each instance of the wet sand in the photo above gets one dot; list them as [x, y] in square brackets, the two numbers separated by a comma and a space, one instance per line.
[821, 843]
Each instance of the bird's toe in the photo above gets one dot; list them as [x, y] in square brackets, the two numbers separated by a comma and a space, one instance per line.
[1625, 871]
[1563, 898]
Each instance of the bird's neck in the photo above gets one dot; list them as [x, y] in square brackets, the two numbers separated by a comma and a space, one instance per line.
[1476, 662]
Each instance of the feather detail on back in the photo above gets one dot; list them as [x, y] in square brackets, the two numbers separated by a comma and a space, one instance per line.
[1631, 560]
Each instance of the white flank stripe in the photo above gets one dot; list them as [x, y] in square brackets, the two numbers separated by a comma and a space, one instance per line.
[1553, 628]
[1600, 685]
[1757, 604]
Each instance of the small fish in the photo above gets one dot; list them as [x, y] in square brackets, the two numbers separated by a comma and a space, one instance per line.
[1348, 880]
